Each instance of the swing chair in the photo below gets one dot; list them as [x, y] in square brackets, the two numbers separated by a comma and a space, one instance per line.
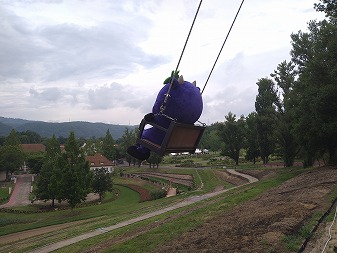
[179, 137]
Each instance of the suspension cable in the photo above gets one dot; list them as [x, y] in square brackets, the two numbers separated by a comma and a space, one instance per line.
[230, 29]
[163, 106]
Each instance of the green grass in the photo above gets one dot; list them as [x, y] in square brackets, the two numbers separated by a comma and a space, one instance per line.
[170, 230]
[4, 192]
[127, 207]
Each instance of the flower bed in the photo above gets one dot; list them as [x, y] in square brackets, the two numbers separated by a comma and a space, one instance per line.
[145, 195]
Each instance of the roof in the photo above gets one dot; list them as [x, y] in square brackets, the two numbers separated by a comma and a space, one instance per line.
[33, 147]
[98, 160]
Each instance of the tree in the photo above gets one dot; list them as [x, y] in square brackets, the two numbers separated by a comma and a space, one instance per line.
[77, 177]
[314, 95]
[11, 158]
[49, 183]
[154, 159]
[284, 77]
[12, 139]
[232, 134]
[330, 9]
[108, 147]
[102, 182]
[35, 162]
[252, 144]
[11, 155]
[210, 139]
[265, 107]
[129, 138]
[29, 137]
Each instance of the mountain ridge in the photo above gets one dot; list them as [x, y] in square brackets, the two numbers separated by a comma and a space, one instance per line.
[82, 129]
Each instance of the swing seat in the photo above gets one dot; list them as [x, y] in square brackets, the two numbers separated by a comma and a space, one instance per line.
[178, 138]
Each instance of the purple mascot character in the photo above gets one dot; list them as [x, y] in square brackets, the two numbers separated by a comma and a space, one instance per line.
[184, 105]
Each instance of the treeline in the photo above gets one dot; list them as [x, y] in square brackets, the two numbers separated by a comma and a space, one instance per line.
[296, 107]
[63, 175]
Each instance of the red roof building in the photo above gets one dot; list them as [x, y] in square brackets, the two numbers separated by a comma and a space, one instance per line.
[33, 148]
[98, 161]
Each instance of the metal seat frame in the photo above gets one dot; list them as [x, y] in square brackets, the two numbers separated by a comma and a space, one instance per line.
[178, 138]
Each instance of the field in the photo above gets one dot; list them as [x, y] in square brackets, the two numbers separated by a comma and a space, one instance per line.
[275, 214]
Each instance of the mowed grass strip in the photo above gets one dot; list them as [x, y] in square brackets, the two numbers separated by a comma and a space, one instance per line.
[168, 230]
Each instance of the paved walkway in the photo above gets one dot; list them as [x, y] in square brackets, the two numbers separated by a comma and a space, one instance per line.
[20, 194]
[99, 231]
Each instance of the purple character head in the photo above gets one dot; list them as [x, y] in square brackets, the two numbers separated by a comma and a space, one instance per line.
[184, 105]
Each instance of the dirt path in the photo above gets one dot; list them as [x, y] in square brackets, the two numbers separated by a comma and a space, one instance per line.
[99, 231]
[20, 194]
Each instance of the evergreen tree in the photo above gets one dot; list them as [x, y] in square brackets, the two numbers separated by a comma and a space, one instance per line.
[232, 134]
[108, 147]
[76, 173]
[252, 144]
[315, 94]
[11, 154]
[49, 183]
[265, 106]
[284, 77]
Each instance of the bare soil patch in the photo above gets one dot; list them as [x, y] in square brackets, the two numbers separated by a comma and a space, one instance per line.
[262, 224]
[174, 178]
[230, 178]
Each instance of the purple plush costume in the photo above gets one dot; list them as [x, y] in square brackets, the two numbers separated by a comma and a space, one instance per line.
[184, 105]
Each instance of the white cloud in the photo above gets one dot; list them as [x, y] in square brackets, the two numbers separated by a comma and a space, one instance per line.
[106, 60]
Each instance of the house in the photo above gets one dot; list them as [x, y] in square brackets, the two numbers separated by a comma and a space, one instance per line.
[98, 161]
[33, 148]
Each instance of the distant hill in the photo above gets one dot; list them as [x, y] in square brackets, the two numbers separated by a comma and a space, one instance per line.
[47, 129]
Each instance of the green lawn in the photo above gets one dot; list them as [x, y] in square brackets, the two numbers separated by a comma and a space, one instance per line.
[126, 207]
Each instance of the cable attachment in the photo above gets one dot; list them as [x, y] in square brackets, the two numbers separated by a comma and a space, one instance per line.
[163, 105]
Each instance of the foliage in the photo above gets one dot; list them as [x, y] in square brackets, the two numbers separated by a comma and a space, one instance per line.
[210, 139]
[12, 139]
[233, 136]
[314, 95]
[265, 107]
[108, 147]
[29, 137]
[154, 159]
[34, 161]
[102, 182]
[49, 183]
[284, 77]
[11, 155]
[252, 145]
[128, 139]
[76, 174]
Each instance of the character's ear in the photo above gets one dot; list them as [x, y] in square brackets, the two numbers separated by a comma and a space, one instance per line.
[181, 79]
[194, 83]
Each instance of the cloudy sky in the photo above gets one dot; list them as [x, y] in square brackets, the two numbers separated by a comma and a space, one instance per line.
[106, 60]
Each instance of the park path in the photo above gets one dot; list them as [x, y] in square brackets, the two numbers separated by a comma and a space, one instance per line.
[186, 202]
[20, 194]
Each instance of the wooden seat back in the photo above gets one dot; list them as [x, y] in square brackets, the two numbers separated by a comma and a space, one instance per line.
[178, 138]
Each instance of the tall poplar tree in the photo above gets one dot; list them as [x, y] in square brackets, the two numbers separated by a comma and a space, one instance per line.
[265, 107]
[315, 94]
[77, 177]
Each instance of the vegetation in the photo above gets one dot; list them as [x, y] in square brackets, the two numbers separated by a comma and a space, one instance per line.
[295, 118]
[102, 182]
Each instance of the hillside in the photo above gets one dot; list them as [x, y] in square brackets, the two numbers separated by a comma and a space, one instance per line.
[47, 129]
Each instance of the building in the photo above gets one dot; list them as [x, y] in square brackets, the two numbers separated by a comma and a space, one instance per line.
[33, 148]
[98, 161]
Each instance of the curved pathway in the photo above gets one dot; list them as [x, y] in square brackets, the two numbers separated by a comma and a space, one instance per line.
[186, 202]
[20, 194]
